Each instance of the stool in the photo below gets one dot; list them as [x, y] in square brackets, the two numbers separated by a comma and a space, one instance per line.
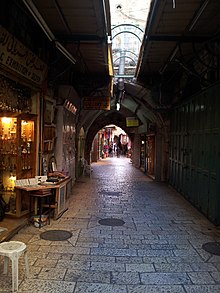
[41, 195]
[13, 250]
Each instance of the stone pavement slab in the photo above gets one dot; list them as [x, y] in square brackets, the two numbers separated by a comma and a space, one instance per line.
[158, 249]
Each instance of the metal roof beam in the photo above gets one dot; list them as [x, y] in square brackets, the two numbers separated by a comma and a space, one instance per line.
[182, 39]
[82, 38]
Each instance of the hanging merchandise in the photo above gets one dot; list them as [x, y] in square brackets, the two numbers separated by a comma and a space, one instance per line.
[14, 98]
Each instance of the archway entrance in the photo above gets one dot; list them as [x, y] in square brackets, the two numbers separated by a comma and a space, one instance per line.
[110, 141]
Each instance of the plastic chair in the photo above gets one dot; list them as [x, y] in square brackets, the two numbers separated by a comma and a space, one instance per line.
[13, 250]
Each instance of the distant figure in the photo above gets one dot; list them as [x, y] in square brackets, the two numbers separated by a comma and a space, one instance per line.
[115, 147]
[118, 151]
[110, 150]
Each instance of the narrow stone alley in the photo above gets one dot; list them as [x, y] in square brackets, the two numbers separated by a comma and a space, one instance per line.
[129, 235]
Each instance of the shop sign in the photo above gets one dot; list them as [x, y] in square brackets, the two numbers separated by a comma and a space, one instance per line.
[96, 103]
[132, 121]
[16, 57]
[70, 107]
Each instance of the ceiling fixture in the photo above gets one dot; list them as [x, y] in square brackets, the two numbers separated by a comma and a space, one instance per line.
[41, 22]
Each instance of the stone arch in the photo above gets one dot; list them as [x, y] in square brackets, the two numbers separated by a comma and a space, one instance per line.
[114, 117]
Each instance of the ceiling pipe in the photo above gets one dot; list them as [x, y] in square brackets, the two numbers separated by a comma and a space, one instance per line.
[198, 14]
[43, 25]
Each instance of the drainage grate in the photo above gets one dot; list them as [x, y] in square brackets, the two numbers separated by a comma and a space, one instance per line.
[56, 235]
[111, 222]
[212, 247]
[111, 193]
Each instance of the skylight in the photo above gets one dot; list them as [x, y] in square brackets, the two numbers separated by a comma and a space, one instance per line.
[128, 20]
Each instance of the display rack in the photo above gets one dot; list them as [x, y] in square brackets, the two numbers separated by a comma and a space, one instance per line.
[17, 158]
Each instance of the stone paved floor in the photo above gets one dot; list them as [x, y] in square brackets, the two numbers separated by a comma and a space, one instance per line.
[158, 249]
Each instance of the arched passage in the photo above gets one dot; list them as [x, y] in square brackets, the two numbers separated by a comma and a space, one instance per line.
[110, 141]
[137, 103]
[114, 118]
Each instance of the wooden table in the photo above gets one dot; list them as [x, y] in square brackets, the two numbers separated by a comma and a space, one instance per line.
[60, 190]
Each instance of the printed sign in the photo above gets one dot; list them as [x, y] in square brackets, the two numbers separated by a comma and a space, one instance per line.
[132, 121]
[96, 103]
[15, 56]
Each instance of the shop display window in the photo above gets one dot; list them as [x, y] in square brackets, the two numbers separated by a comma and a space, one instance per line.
[17, 157]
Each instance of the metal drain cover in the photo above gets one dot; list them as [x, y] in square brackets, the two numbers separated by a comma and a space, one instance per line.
[111, 193]
[111, 222]
[212, 247]
[56, 235]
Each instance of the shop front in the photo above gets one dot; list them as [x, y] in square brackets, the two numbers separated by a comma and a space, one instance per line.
[21, 77]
